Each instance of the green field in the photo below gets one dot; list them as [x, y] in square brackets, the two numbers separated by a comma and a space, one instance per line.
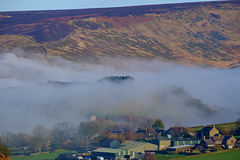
[226, 155]
[169, 156]
[230, 125]
[43, 156]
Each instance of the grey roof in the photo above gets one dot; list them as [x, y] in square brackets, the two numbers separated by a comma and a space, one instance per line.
[131, 144]
[218, 137]
[207, 129]
[185, 139]
[209, 141]
[108, 150]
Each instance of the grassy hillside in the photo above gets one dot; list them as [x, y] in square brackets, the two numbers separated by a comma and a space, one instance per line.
[194, 33]
[42, 156]
[228, 154]
[224, 128]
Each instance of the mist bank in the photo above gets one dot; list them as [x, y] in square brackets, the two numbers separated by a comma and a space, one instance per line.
[179, 95]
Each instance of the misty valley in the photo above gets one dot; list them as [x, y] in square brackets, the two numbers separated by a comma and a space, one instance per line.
[150, 82]
[58, 104]
[59, 90]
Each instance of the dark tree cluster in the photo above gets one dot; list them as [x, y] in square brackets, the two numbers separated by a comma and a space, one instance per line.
[117, 79]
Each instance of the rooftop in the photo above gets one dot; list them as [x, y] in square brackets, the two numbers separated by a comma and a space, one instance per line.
[108, 150]
[185, 139]
[182, 146]
[164, 139]
[209, 141]
[217, 137]
[130, 145]
[227, 138]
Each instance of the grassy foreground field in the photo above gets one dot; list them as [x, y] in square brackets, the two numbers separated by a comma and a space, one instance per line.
[224, 155]
[42, 156]
[169, 156]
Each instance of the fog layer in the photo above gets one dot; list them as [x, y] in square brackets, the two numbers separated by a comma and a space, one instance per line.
[179, 95]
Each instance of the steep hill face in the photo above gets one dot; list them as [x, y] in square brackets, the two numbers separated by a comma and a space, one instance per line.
[192, 33]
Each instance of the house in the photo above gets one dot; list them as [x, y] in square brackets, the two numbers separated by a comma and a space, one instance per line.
[109, 153]
[110, 143]
[141, 133]
[145, 133]
[207, 143]
[184, 141]
[229, 142]
[175, 131]
[208, 132]
[161, 143]
[93, 118]
[218, 139]
[181, 148]
[160, 132]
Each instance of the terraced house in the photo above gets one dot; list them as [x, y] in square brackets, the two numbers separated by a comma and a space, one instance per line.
[211, 138]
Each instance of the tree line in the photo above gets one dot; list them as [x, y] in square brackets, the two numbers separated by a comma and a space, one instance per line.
[66, 135]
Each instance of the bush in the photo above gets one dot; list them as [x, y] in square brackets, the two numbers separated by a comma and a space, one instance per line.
[216, 148]
[4, 150]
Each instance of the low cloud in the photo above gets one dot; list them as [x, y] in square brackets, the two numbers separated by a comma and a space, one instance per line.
[177, 94]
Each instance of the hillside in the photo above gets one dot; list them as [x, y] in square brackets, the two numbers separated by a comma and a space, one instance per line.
[205, 34]
[224, 128]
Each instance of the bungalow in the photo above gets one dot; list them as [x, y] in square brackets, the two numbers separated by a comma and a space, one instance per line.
[229, 142]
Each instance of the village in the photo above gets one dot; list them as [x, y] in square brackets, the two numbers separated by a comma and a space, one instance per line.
[145, 143]
[123, 136]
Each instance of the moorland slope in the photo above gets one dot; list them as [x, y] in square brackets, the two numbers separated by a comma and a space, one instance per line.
[206, 33]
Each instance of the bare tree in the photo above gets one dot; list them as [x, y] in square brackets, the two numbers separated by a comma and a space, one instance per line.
[87, 130]
[62, 131]
[40, 138]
